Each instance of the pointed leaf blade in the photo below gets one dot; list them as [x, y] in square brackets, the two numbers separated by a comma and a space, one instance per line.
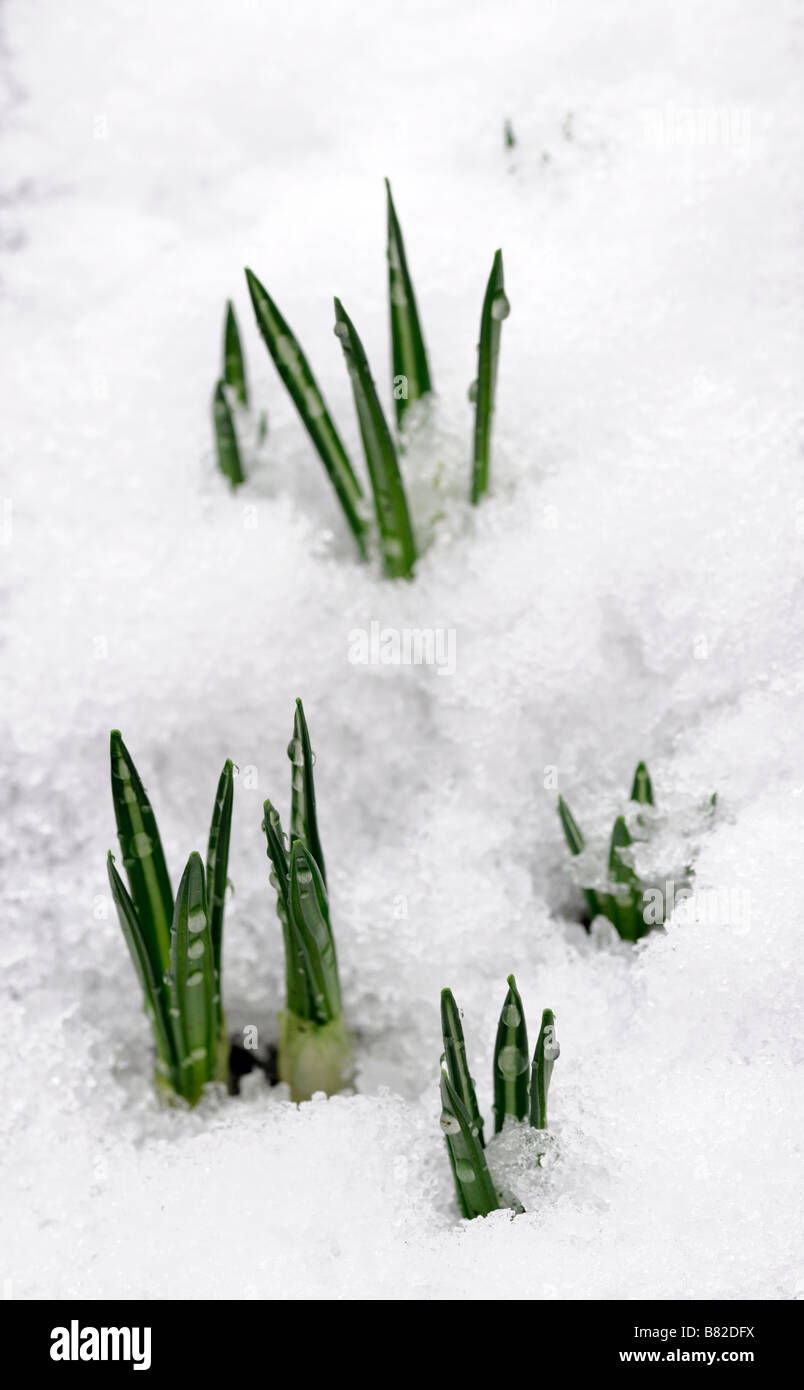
[495, 308]
[309, 917]
[297, 972]
[234, 367]
[220, 831]
[192, 984]
[408, 352]
[141, 847]
[456, 1061]
[228, 449]
[303, 819]
[295, 371]
[575, 842]
[642, 789]
[149, 972]
[390, 501]
[477, 1195]
[545, 1056]
[511, 1057]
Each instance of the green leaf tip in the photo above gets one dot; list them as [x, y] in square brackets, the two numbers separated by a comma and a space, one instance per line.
[477, 1195]
[572, 833]
[411, 370]
[303, 389]
[511, 1058]
[642, 789]
[456, 1060]
[303, 818]
[230, 462]
[397, 541]
[620, 839]
[193, 986]
[218, 858]
[496, 307]
[234, 367]
[545, 1056]
[314, 1045]
[141, 849]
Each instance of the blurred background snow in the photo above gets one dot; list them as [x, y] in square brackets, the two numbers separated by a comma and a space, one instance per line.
[633, 589]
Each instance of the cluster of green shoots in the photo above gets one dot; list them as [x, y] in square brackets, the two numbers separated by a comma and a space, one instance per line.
[176, 944]
[411, 382]
[520, 1093]
[623, 899]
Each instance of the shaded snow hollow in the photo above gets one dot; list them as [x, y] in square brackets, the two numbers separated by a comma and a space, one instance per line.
[633, 589]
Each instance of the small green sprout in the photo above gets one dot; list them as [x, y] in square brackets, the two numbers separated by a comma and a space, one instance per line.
[304, 391]
[229, 460]
[234, 366]
[411, 370]
[231, 393]
[483, 390]
[397, 541]
[511, 1082]
[624, 898]
[520, 1092]
[175, 945]
[314, 1044]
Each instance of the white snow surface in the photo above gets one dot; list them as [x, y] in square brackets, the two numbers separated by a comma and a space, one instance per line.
[632, 589]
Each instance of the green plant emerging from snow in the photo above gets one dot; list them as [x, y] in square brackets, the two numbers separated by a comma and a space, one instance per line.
[520, 1092]
[175, 944]
[411, 382]
[314, 1044]
[625, 899]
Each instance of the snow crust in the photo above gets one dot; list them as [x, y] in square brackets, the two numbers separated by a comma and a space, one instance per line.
[632, 590]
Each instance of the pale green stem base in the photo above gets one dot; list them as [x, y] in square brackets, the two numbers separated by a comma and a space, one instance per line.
[313, 1056]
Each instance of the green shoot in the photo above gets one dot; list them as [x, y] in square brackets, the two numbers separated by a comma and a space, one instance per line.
[193, 985]
[314, 1044]
[477, 1195]
[234, 367]
[625, 898]
[303, 823]
[393, 518]
[455, 1061]
[495, 308]
[175, 947]
[294, 369]
[574, 840]
[229, 460]
[150, 973]
[218, 858]
[519, 1090]
[546, 1054]
[141, 848]
[642, 791]
[625, 901]
[410, 368]
[511, 1060]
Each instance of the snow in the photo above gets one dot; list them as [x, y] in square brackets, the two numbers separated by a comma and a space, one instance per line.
[632, 590]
